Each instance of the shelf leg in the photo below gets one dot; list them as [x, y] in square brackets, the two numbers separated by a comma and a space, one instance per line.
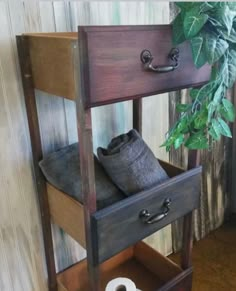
[31, 110]
[137, 115]
[186, 256]
[84, 124]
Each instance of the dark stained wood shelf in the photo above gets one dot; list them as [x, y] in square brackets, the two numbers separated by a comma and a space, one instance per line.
[97, 66]
[146, 267]
[122, 216]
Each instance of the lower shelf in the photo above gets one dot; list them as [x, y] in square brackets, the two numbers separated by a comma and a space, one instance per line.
[146, 267]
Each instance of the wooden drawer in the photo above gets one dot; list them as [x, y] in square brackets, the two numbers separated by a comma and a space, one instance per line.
[120, 225]
[146, 267]
[110, 57]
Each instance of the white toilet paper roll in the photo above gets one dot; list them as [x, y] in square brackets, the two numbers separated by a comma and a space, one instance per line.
[121, 284]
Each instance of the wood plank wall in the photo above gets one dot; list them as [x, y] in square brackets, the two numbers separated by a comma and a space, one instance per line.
[216, 195]
[22, 265]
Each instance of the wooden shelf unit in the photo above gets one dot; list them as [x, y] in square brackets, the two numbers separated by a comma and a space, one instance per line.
[97, 66]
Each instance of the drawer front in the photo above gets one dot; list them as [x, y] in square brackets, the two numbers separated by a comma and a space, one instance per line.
[120, 225]
[113, 71]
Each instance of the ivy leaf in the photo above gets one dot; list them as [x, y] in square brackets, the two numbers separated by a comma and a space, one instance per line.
[193, 22]
[193, 93]
[197, 141]
[232, 6]
[227, 110]
[199, 57]
[224, 128]
[214, 131]
[232, 36]
[179, 141]
[215, 48]
[218, 93]
[201, 119]
[225, 16]
[182, 107]
[184, 5]
[182, 126]
[206, 6]
[205, 90]
[211, 109]
[214, 74]
[178, 33]
[228, 70]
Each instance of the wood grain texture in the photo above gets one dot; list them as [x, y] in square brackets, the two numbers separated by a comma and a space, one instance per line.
[233, 189]
[21, 250]
[214, 259]
[138, 115]
[113, 56]
[163, 267]
[111, 226]
[84, 124]
[65, 211]
[139, 263]
[114, 72]
[181, 282]
[215, 193]
[31, 109]
[52, 64]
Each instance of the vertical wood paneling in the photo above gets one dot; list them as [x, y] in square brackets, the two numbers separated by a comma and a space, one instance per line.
[214, 203]
[21, 250]
[19, 220]
[22, 255]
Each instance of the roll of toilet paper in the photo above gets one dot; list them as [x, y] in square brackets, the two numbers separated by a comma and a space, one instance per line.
[121, 284]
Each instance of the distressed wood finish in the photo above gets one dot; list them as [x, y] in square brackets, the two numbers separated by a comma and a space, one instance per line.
[84, 124]
[181, 282]
[112, 225]
[137, 115]
[31, 109]
[21, 245]
[146, 267]
[52, 63]
[115, 73]
[65, 211]
[186, 257]
[113, 57]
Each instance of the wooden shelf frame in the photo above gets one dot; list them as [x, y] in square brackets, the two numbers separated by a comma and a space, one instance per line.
[65, 65]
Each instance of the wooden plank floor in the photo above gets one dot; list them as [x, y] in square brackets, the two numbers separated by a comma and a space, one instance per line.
[214, 260]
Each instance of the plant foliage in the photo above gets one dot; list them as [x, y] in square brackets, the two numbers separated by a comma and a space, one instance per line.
[210, 27]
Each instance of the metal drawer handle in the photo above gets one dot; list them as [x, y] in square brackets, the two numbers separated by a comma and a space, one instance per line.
[147, 218]
[147, 58]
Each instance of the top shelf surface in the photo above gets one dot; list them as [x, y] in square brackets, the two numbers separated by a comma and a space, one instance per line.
[109, 63]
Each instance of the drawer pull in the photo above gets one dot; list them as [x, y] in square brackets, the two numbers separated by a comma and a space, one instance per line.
[147, 218]
[147, 58]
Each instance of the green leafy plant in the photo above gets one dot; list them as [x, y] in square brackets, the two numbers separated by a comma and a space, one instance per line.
[210, 27]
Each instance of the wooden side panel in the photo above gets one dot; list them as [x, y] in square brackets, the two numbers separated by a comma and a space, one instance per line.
[67, 213]
[162, 267]
[31, 109]
[52, 64]
[76, 277]
[112, 225]
[181, 282]
[113, 69]
[146, 267]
